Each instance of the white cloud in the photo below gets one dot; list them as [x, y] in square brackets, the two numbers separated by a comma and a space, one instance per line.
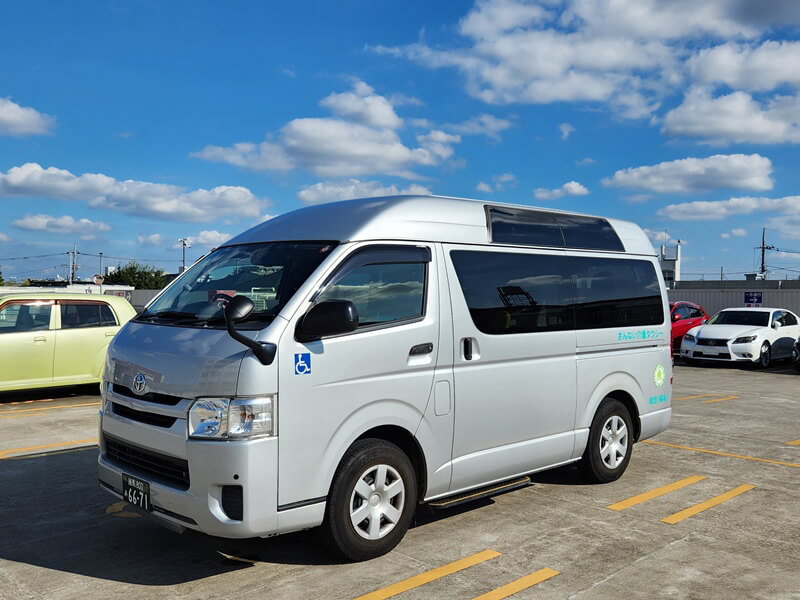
[637, 198]
[484, 187]
[565, 129]
[658, 236]
[154, 239]
[483, 124]
[130, 196]
[499, 183]
[571, 188]
[725, 235]
[735, 118]
[16, 120]
[363, 142]
[61, 225]
[330, 191]
[720, 209]
[208, 238]
[786, 225]
[266, 217]
[4, 238]
[364, 106]
[585, 161]
[743, 66]
[737, 171]
[739, 232]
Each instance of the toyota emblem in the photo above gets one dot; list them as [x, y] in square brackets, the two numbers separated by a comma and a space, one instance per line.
[139, 383]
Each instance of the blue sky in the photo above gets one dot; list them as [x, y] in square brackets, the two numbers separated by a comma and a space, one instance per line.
[127, 125]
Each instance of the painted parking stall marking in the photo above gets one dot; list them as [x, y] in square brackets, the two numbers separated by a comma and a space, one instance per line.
[702, 506]
[794, 443]
[718, 453]
[655, 493]
[523, 583]
[428, 576]
[76, 445]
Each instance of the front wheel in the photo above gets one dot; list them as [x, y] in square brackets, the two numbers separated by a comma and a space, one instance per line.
[610, 443]
[372, 500]
[796, 358]
[765, 356]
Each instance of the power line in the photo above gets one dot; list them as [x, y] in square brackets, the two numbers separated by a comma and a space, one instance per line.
[39, 256]
[131, 258]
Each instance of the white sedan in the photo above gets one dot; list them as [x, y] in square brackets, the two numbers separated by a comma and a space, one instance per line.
[757, 335]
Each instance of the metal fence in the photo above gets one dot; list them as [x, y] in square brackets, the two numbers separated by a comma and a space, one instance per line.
[714, 300]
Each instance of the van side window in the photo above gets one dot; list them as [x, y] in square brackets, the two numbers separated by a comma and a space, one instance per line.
[611, 292]
[386, 286]
[17, 317]
[515, 293]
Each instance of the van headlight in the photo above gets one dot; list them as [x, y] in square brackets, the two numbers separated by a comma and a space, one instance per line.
[232, 418]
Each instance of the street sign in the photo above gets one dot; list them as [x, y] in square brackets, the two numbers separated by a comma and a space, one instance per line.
[753, 298]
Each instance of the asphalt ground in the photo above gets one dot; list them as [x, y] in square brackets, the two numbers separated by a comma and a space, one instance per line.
[707, 509]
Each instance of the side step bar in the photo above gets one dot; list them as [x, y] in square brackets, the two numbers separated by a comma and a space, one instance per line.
[484, 492]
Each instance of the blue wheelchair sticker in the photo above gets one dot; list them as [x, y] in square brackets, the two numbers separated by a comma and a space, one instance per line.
[302, 363]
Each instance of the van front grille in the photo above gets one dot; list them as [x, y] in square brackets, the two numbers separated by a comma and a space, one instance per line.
[143, 417]
[121, 390]
[168, 469]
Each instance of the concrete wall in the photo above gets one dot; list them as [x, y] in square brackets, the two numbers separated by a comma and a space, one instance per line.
[714, 300]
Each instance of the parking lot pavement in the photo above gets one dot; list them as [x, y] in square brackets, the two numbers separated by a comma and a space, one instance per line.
[707, 509]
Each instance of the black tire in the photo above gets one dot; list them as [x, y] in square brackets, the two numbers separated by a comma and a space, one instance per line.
[592, 465]
[339, 532]
[796, 358]
[765, 356]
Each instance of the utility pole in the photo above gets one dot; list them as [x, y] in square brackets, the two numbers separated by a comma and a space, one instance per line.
[101, 264]
[73, 263]
[184, 245]
[764, 248]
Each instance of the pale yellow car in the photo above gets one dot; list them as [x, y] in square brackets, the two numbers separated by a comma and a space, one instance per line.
[56, 339]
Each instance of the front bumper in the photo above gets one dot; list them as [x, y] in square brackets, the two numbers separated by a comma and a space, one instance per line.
[730, 352]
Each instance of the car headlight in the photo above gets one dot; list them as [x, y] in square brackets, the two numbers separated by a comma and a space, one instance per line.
[745, 340]
[232, 418]
[688, 337]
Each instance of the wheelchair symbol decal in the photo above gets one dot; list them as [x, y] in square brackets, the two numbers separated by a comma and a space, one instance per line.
[302, 363]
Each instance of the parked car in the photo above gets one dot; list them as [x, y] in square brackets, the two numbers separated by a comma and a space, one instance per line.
[57, 339]
[757, 335]
[796, 354]
[684, 316]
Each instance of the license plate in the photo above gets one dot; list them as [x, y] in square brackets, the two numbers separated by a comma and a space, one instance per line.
[136, 492]
[711, 351]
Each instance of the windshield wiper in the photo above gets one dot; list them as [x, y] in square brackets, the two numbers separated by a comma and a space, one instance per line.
[171, 315]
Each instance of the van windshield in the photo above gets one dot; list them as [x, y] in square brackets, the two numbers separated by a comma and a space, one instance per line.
[269, 274]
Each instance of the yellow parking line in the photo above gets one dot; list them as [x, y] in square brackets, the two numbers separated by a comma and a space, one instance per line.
[794, 443]
[660, 491]
[764, 460]
[428, 576]
[27, 411]
[5, 453]
[698, 508]
[723, 399]
[518, 585]
[697, 396]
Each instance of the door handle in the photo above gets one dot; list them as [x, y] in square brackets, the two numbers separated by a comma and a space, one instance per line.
[39, 338]
[111, 333]
[467, 348]
[421, 349]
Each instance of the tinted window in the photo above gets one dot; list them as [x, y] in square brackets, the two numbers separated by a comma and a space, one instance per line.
[538, 228]
[80, 315]
[106, 315]
[589, 232]
[383, 292]
[755, 318]
[612, 292]
[24, 317]
[524, 227]
[683, 310]
[789, 319]
[515, 293]
[695, 312]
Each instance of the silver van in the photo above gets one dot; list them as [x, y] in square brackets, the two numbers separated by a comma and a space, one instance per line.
[339, 364]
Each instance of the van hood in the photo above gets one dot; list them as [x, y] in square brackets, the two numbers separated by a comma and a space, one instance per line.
[177, 361]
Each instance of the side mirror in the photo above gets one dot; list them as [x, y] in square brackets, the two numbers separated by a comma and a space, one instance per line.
[776, 324]
[705, 321]
[238, 308]
[331, 317]
[676, 317]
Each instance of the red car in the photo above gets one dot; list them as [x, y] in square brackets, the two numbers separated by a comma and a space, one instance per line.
[684, 315]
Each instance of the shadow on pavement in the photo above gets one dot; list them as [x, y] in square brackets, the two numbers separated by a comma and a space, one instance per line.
[90, 389]
[54, 516]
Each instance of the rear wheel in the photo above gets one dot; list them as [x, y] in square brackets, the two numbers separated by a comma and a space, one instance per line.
[765, 355]
[610, 443]
[372, 500]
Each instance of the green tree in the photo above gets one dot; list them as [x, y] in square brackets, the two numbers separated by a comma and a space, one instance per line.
[142, 277]
[1, 278]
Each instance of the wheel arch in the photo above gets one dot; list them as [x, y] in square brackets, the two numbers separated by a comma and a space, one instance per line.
[403, 439]
[620, 386]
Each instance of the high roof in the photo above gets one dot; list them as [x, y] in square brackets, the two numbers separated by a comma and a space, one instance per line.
[414, 218]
